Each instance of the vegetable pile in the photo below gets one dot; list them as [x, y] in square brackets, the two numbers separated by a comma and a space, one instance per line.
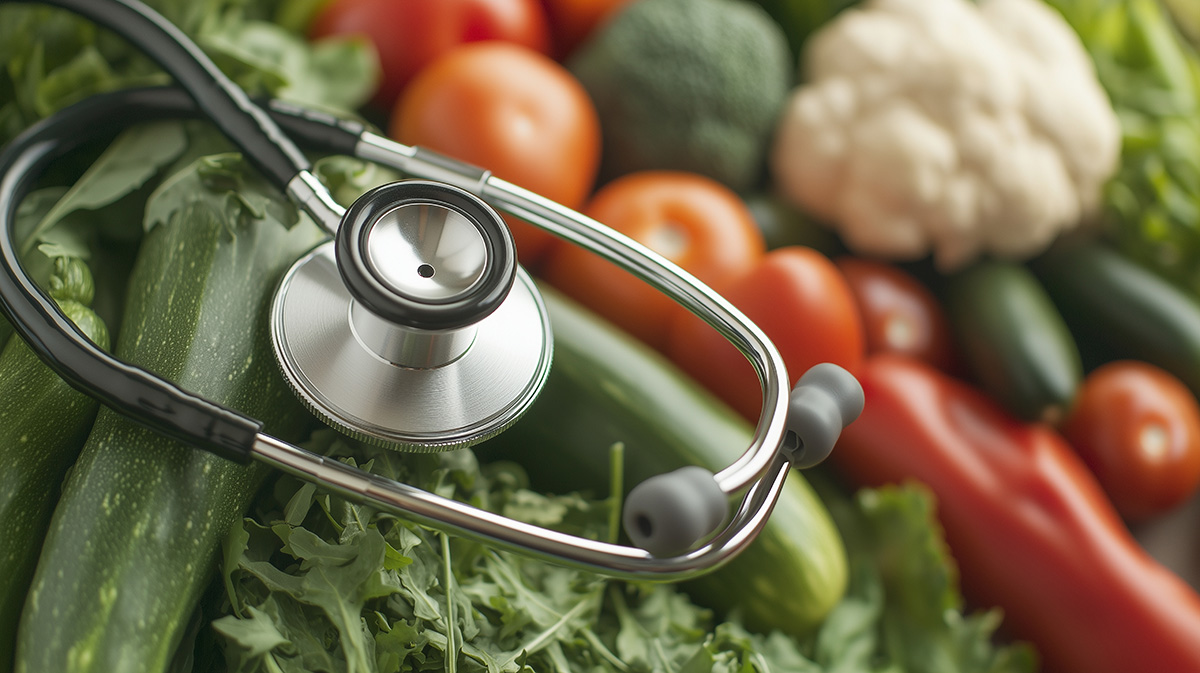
[985, 211]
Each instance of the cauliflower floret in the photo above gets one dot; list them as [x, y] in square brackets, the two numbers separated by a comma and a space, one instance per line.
[947, 126]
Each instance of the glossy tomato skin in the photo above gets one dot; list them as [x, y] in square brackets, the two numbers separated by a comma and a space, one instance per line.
[410, 34]
[900, 314]
[513, 111]
[804, 305]
[1138, 428]
[694, 221]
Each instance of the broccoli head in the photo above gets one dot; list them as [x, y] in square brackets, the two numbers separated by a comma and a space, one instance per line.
[693, 85]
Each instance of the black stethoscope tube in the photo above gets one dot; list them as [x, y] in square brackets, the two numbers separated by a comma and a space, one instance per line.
[216, 96]
[153, 401]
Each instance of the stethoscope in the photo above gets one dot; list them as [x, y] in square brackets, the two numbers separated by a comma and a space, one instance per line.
[412, 325]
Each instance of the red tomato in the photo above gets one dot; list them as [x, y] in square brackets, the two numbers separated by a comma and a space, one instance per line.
[900, 315]
[692, 220]
[1138, 428]
[572, 21]
[410, 34]
[513, 111]
[805, 306]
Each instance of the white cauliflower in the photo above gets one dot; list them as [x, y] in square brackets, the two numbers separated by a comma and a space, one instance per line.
[947, 126]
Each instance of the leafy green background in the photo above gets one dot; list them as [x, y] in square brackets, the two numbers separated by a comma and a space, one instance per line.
[53, 58]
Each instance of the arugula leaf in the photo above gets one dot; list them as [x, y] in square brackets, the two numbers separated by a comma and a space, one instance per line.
[391, 596]
[256, 634]
[259, 56]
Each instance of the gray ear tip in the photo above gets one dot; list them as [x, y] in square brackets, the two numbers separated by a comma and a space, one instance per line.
[669, 513]
[839, 384]
[825, 400]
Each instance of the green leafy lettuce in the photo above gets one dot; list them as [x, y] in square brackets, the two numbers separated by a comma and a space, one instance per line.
[316, 583]
[1152, 76]
[52, 58]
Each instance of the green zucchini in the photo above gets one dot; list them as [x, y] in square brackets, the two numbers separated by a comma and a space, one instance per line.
[1014, 340]
[1118, 308]
[43, 424]
[605, 387]
[135, 538]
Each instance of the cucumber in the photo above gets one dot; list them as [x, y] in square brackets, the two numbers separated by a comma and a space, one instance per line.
[1013, 339]
[43, 424]
[135, 538]
[1118, 308]
[606, 387]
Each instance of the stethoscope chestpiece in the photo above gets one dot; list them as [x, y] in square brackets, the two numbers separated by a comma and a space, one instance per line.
[415, 327]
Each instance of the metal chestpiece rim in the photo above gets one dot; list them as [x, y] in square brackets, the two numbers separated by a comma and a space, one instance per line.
[415, 327]
[398, 242]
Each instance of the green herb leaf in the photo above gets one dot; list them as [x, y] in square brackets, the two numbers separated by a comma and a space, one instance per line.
[135, 157]
[903, 609]
[255, 633]
[224, 183]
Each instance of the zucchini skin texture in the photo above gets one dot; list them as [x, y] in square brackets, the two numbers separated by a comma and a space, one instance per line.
[43, 425]
[1014, 340]
[1118, 308]
[135, 537]
[605, 387]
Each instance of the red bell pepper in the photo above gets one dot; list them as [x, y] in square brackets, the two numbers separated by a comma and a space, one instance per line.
[1030, 528]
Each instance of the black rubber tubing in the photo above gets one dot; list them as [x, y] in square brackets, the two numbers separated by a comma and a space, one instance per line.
[140, 395]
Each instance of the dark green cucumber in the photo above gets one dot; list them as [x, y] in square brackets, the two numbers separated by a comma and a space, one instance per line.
[606, 387]
[1013, 339]
[1120, 309]
[135, 537]
[43, 425]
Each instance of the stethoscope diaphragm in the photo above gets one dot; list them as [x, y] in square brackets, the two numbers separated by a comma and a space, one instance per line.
[414, 327]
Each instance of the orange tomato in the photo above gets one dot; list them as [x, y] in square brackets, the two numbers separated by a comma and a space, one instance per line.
[694, 221]
[513, 111]
[803, 304]
[410, 34]
[1138, 428]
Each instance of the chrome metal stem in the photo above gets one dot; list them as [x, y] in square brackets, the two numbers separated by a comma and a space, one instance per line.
[312, 196]
[407, 347]
[493, 529]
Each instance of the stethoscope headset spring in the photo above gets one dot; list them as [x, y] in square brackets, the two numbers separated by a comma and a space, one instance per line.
[419, 273]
